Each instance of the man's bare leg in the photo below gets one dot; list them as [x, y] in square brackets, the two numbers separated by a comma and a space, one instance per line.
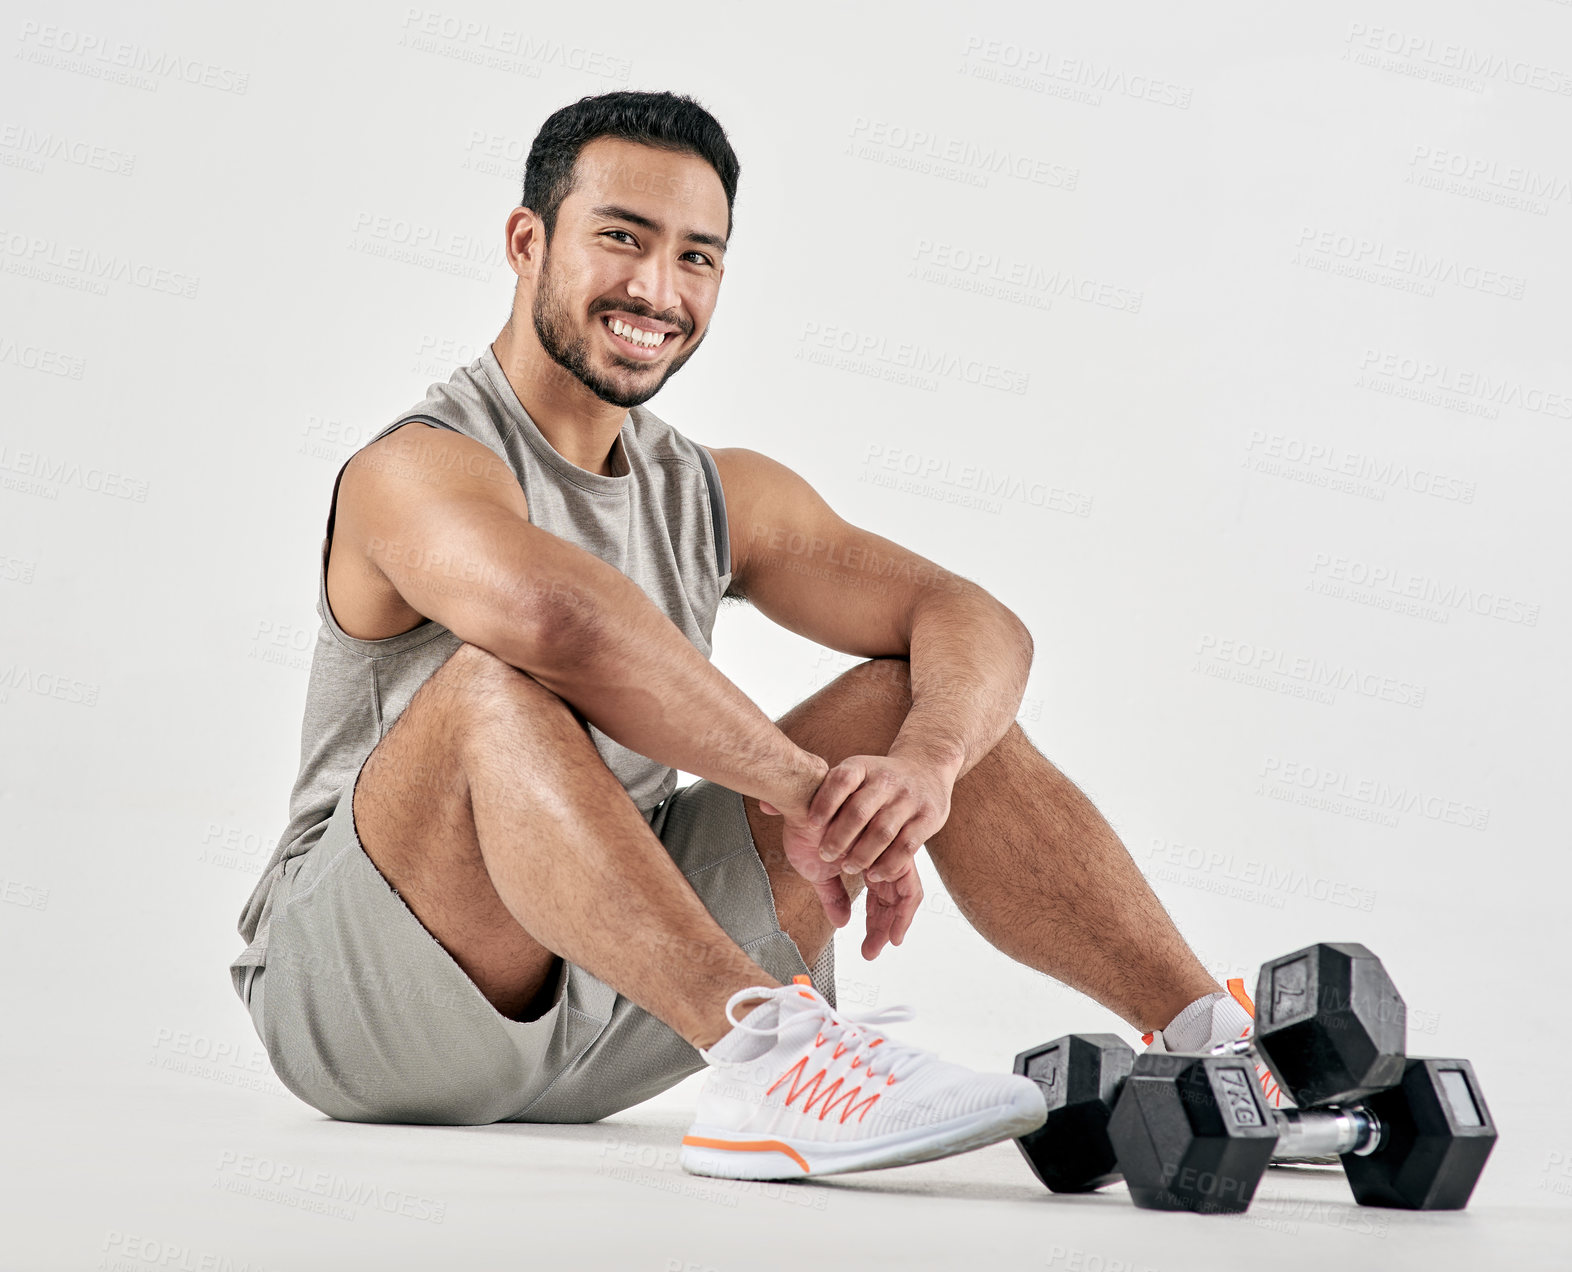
[1028, 859]
[490, 812]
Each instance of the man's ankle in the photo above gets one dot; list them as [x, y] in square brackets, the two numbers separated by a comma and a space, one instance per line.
[1163, 1012]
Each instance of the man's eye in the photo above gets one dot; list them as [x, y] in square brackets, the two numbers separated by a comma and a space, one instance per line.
[702, 258]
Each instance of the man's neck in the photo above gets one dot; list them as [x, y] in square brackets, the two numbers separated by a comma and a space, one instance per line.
[580, 427]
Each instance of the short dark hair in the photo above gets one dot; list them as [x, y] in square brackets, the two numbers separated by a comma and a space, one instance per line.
[664, 120]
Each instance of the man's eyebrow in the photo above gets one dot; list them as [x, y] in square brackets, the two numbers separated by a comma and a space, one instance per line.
[612, 212]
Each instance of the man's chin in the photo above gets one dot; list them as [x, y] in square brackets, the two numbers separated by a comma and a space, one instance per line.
[626, 394]
[630, 383]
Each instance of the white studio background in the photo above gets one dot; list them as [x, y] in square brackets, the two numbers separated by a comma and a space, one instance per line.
[1227, 346]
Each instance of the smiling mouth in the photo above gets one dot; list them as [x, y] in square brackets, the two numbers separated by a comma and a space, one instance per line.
[637, 338]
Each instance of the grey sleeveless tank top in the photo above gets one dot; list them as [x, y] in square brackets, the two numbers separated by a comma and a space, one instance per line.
[659, 517]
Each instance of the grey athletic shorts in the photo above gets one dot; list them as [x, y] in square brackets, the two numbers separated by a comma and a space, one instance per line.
[367, 1018]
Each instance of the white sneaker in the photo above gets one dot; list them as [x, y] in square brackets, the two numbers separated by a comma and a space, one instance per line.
[798, 1088]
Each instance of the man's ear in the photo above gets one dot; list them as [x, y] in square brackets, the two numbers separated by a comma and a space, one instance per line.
[526, 239]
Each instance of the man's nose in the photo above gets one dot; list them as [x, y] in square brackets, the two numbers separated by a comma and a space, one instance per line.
[654, 281]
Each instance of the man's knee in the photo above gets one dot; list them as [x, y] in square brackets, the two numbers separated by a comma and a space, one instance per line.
[491, 690]
[878, 689]
[475, 668]
[890, 676]
[889, 681]
[472, 703]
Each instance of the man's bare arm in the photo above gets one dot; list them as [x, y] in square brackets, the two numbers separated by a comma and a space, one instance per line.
[970, 658]
[871, 596]
[447, 525]
[804, 566]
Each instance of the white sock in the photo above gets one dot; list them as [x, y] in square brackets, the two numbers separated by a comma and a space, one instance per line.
[738, 1044]
[1210, 1019]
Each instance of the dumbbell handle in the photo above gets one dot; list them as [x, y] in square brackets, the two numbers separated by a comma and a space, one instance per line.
[1315, 1132]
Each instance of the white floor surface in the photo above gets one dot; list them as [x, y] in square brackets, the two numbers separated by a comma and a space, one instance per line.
[203, 1165]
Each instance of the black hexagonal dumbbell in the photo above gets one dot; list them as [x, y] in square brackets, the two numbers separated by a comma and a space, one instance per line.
[1335, 1023]
[1329, 1024]
[1080, 1076]
[1192, 1132]
[1087, 1078]
[1188, 1134]
[1436, 1134]
[1332, 1028]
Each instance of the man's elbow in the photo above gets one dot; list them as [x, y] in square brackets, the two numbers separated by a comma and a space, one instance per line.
[551, 627]
[1010, 619]
[1023, 634]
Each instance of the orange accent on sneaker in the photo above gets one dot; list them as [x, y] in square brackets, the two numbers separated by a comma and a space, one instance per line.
[1237, 989]
[1146, 1039]
[749, 1146]
[852, 1106]
[815, 1092]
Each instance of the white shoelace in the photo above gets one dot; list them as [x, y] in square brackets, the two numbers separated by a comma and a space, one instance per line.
[843, 1028]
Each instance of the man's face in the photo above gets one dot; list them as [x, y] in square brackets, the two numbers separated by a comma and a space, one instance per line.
[638, 243]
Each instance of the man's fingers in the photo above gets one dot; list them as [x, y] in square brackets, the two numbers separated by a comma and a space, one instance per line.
[835, 900]
[891, 907]
[909, 887]
[880, 917]
[838, 783]
[882, 831]
[894, 861]
[850, 822]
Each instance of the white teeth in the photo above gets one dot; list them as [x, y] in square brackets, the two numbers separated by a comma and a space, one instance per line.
[649, 339]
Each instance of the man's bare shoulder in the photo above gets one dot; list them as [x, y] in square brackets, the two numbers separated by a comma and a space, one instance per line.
[412, 507]
[744, 473]
[769, 507]
[419, 460]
